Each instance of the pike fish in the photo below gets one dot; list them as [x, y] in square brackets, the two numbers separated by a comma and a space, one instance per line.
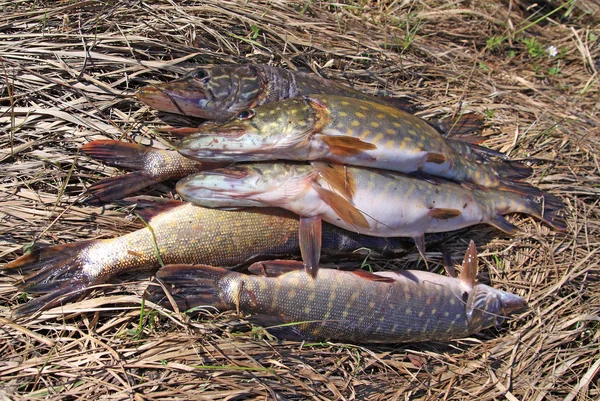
[182, 233]
[346, 131]
[359, 307]
[367, 201]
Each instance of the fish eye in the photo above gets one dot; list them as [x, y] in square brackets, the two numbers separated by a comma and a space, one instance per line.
[201, 75]
[246, 114]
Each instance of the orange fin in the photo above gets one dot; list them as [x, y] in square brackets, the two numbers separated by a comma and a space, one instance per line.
[310, 237]
[444, 214]
[372, 277]
[345, 145]
[338, 177]
[437, 158]
[114, 188]
[117, 153]
[275, 268]
[468, 273]
[343, 208]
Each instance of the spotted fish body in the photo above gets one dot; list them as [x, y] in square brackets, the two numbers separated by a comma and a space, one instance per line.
[367, 201]
[342, 130]
[219, 92]
[183, 233]
[354, 306]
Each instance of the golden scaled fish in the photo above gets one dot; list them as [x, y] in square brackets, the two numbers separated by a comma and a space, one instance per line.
[367, 201]
[356, 306]
[346, 131]
[181, 233]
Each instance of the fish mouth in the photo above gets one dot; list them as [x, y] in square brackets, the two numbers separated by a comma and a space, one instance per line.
[223, 188]
[174, 97]
[227, 145]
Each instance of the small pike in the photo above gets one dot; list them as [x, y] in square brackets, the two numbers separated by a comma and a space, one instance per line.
[361, 307]
[183, 233]
[346, 131]
[367, 201]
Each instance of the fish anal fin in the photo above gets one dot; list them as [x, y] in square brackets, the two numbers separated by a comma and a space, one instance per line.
[468, 272]
[275, 268]
[343, 208]
[444, 214]
[340, 145]
[503, 225]
[437, 158]
[310, 236]
[420, 244]
[338, 177]
[372, 277]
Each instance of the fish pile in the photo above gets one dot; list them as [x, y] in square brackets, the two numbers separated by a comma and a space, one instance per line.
[290, 163]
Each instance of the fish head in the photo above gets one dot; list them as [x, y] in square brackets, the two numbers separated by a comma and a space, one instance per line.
[211, 92]
[488, 307]
[279, 130]
[245, 185]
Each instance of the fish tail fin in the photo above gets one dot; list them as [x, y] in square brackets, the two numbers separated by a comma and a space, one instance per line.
[525, 198]
[117, 154]
[191, 286]
[119, 187]
[55, 270]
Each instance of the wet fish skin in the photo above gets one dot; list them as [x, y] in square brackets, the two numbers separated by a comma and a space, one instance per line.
[219, 92]
[367, 201]
[346, 131]
[184, 233]
[356, 306]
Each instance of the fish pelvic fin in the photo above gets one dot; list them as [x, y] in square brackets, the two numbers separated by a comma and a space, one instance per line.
[437, 158]
[310, 238]
[343, 208]
[55, 270]
[191, 286]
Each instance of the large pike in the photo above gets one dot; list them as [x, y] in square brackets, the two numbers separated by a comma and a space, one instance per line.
[367, 201]
[179, 233]
[347, 131]
[356, 306]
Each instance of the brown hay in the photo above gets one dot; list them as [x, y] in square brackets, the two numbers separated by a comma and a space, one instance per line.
[68, 70]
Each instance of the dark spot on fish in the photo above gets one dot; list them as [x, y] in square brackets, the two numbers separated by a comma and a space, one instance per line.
[465, 297]
[437, 190]
[465, 205]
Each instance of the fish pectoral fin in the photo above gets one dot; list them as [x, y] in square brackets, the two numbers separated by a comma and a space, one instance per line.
[372, 277]
[342, 207]
[310, 236]
[468, 272]
[275, 268]
[444, 214]
[437, 158]
[338, 177]
[420, 244]
[503, 225]
[344, 145]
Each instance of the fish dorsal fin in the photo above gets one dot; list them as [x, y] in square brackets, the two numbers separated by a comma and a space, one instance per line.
[444, 214]
[342, 207]
[275, 268]
[372, 277]
[150, 207]
[469, 265]
[340, 145]
[338, 177]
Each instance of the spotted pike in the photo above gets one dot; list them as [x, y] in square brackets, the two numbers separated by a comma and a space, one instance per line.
[347, 131]
[357, 306]
[182, 233]
[367, 201]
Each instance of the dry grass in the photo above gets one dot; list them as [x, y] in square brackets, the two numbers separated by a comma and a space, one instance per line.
[68, 70]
